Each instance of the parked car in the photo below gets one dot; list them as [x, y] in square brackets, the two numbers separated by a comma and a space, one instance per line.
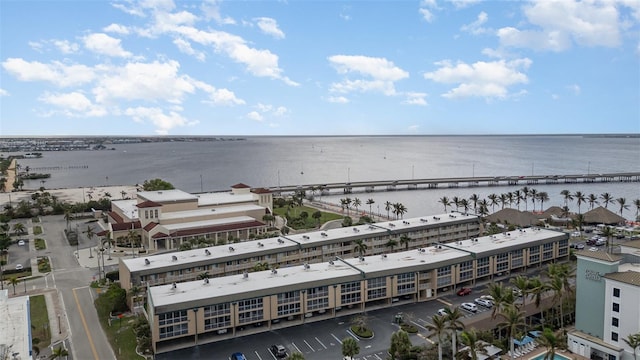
[21, 243]
[441, 312]
[483, 302]
[580, 246]
[601, 242]
[469, 307]
[487, 297]
[238, 356]
[278, 351]
[464, 291]
[19, 267]
[593, 249]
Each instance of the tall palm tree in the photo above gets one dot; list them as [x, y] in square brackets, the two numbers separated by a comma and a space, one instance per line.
[400, 209]
[438, 328]
[521, 283]
[555, 285]
[361, 247]
[537, 288]
[636, 203]
[67, 216]
[510, 198]
[579, 196]
[469, 338]
[357, 203]
[502, 297]
[474, 198]
[19, 229]
[534, 196]
[370, 202]
[513, 321]
[445, 202]
[567, 197]
[592, 199]
[552, 341]
[14, 281]
[542, 197]
[405, 239]
[622, 203]
[391, 244]
[454, 323]
[608, 232]
[525, 197]
[456, 202]
[633, 340]
[388, 206]
[493, 198]
[504, 200]
[606, 199]
[350, 347]
[517, 194]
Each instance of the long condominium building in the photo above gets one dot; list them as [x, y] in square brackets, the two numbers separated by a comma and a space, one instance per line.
[208, 310]
[289, 250]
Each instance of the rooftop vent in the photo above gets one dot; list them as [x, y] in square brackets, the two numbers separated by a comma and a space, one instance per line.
[392, 225]
[207, 252]
[423, 250]
[274, 271]
[147, 262]
[305, 237]
[280, 241]
[306, 266]
[260, 244]
[361, 258]
[439, 246]
[174, 258]
[384, 256]
[356, 230]
[231, 248]
[406, 222]
[331, 262]
[459, 242]
[324, 234]
[206, 280]
[475, 240]
[245, 274]
[423, 220]
[174, 286]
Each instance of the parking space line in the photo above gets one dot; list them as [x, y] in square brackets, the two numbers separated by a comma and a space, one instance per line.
[321, 343]
[338, 340]
[353, 335]
[418, 325]
[312, 349]
[444, 302]
[377, 357]
[258, 355]
[297, 348]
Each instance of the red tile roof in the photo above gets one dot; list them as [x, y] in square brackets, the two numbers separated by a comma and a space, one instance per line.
[240, 186]
[148, 204]
[117, 218]
[218, 228]
[150, 226]
[159, 235]
[261, 191]
[125, 226]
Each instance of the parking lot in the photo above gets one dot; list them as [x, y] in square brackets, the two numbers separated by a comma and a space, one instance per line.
[323, 339]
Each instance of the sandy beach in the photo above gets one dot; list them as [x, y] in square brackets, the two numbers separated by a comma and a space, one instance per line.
[73, 195]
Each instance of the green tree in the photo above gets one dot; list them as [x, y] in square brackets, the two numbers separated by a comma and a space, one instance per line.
[622, 202]
[391, 244]
[474, 346]
[592, 199]
[567, 197]
[388, 206]
[360, 247]
[606, 199]
[19, 229]
[405, 239]
[445, 202]
[521, 283]
[58, 353]
[269, 219]
[296, 356]
[474, 198]
[580, 198]
[350, 347]
[437, 328]
[633, 341]
[370, 202]
[400, 345]
[542, 197]
[502, 297]
[357, 203]
[608, 232]
[156, 184]
[14, 281]
[317, 215]
[552, 341]
[455, 324]
[513, 321]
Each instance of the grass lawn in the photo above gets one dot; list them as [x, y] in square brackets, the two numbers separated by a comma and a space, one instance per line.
[37, 230]
[35, 219]
[40, 244]
[40, 321]
[121, 337]
[310, 223]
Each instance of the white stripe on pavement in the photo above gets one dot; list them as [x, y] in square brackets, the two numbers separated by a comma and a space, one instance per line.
[318, 340]
[338, 340]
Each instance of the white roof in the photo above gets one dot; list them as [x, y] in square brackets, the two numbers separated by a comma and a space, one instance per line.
[406, 259]
[499, 241]
[162, 196]
[15, 325]
[221, 198]
[211, 211]
[205, 223]
[127, 207]
[187, 292]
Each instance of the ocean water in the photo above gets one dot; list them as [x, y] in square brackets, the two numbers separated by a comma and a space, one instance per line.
[281, 161]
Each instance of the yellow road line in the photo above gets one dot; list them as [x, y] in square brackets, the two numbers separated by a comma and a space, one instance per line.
[444, 302]
[86, 328]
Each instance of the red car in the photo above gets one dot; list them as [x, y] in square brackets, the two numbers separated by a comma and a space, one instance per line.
[464, 291]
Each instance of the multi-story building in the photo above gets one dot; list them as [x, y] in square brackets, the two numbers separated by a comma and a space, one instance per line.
[167, 218]
[289, 250]
[607, 298]
[208, 310]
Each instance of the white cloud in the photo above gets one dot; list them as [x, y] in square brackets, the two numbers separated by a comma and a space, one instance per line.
[415, 98]
[481, 79]
[36, 45]
[556, 25]
[383, 74]
[427, 15]
[117, 29]
[74, 104]
[338, 99]
[4, 92]
[65, 46]
[185, 47]
[105, 45]
[144, 81]
[131, 10]
[254, 115]
[426, 9]
[225, 97]
[211, 9]
[161, 120]
[280, 111]
[575, 89]
[462, 4]
[56, 73]
[413, 128]
[269, 26]
[475, 27]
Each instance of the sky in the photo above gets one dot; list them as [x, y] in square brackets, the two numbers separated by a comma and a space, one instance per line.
[430, 67]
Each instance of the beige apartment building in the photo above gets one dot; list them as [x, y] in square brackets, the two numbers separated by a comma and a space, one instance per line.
[297, 249]
[167, 218]
[213, 309]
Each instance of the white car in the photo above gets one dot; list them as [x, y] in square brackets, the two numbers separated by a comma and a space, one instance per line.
[21, 243]
[469, 307]
[19, 267]
[487, 297]
[483, 302]
[441, 312]
[593, 249]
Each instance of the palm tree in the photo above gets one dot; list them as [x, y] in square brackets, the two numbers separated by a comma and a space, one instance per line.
[513, 321]
[606, 199]
[400, 345]
[542, 197]
[579, 196]
[536, 289]
[445, 202]
[370, 202]
[469, 338]
[622, 203]
[391, 243]
[67, 216]
[608, 233]
[593, 200]
[502, 297]
[14, 281]
[534, 196]
[454, 323]
[437, 327]
[551, 341]
[58, 353]
[521, 283]
[456, 202]
[555, 285]
[405, 239]
[510, 198]
[89, 233]
[388, 206]
[504, 200]
[474, 199]
[357, 203]
[636, 203]
[493, 198]
[361, 247]
[19, 229]
[525, 196]
[567, 197]
[518, 197]
[399, 210]
[350, 347]
[464, 204]
[633, 340]
[296, 356]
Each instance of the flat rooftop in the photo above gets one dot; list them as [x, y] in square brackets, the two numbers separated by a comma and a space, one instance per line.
[205, 223]
[222, 198]
[15, 325]
[495, 243]
[281, 243]
[163, 196]
[205, 212]
[127, 207]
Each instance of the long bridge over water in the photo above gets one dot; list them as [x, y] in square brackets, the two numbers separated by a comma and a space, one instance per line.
[454, 182]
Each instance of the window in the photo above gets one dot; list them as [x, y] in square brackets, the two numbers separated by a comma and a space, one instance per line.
[616, 292]
[614, 336]
[616, 307]
[614, 321]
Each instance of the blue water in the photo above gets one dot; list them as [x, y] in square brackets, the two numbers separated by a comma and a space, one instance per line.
[273, 161]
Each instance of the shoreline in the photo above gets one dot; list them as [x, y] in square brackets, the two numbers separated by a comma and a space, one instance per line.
[73, 195]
